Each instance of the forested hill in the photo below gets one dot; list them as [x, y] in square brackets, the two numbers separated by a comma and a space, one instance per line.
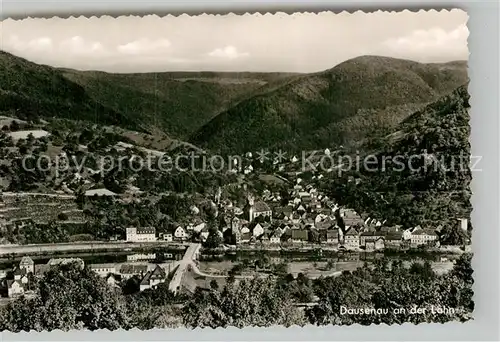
[177, 103]
[426, 177]
[362, 97]
[29, 91]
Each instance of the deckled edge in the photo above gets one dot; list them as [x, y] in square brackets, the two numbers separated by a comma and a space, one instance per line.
[268, 13]
[285, 13]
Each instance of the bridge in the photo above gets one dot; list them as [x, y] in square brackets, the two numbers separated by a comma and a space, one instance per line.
[191, 254]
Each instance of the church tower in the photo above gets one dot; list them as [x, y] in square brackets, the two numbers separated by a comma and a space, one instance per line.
[249, 209]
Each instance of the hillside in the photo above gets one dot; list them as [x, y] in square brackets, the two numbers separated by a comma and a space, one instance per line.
[176, 103]
[29, 90]
[426, 176]
[359, 98]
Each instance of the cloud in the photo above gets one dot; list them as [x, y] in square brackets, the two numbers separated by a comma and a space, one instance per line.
[79, 46]
[144, 46]
[229, 52]
[14, 43]
[431, 43]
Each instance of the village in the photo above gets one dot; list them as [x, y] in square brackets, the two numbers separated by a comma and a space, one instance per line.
[297, 215]
[21, 279]
[308, 219]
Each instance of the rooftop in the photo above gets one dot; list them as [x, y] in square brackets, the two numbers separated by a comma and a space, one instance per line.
[261, 206]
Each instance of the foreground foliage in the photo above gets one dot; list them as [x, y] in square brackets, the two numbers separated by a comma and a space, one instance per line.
[68, 297]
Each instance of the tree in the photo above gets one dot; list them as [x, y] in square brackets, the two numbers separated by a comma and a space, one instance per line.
[62, 216]
[14, 126]
[330, 265]
[255, 302]
[68, 297]
[214, 239]
[463, 269]
[214, 285]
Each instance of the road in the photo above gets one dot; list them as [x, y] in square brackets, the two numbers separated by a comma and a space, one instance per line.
[188, 259]
[81, 247]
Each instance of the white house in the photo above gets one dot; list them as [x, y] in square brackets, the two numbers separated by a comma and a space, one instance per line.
[168, 237]
[142, 234]
[103, 269]
[423, 237]
[463, 224]
[14, 288]
[275, 238]
[248, 169]
[204, 234]
[180, 233]
[199, 227]
[257, 230]
[407, 234]
[28, 264]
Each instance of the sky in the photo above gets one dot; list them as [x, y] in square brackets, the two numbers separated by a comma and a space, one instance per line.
[302, 42]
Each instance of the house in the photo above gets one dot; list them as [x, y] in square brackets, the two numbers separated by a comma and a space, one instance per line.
[14, 288]
[103, 269]
[284, 213]
[286, 236]
[180, 233]
[152, 278]
[423, 237]
[351, 238]
[169, 237]
[391, 229]
[264, 238]
[3, 274]
[100, 192]
[393, 240]
[351, 217]
[464, 224]
[142, 257]
[248, 169]
[129, 270]
[22, 275]
[145, 282]
[327, 223]
[64, 261]
[204, 234]
[194, 210]
[369, 237]
[198, 227]
[41, 269]
[275, 238]
[245, 237]
[112, 280]
[28, 264]
[142, 234]
[332, 236]
[407, 233]
[259, 209]
[300, 235]
[300, 209]
[257, 230]
[375, 245]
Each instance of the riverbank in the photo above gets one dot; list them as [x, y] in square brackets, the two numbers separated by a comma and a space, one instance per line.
[332, 248]
[12, 251]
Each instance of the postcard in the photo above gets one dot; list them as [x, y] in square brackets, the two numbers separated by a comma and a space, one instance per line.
[235, 170]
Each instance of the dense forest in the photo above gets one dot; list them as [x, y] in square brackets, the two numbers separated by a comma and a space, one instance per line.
[422, 176]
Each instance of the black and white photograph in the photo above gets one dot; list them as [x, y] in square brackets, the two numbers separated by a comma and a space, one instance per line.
[235, 170]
